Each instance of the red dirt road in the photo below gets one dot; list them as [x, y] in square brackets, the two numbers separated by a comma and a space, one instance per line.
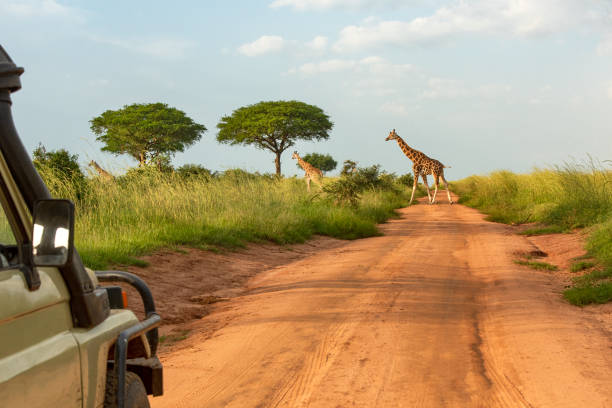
[433, 314]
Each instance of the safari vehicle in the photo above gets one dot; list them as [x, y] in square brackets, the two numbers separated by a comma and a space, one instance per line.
[65, 341]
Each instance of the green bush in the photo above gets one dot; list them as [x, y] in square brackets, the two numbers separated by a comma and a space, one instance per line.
[61, 172]
[406, 180]
[348, 188]
[194, 170]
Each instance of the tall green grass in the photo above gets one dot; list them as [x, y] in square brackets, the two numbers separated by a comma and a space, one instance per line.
[119, 220]
[569, 196]
[573, 195]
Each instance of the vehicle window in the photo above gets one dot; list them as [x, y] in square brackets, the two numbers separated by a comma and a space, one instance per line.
[9, 255]
[6, 233]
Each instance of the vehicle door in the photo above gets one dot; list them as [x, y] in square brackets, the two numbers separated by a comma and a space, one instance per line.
[39, 359]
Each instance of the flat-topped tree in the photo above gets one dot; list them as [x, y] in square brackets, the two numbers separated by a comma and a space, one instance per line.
[150, 133]
[274, 126]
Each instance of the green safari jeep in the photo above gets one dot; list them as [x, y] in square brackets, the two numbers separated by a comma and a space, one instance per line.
[65, 340]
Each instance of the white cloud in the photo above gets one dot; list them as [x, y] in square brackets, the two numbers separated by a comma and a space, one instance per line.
[394, 108]
[39, 8]
[165, 48]
[319, 43]
[372, 64]
[441, 88]
[265, 44]
[333, 65]
[605, 47]
[513, 17]
[445, 88]
[303, 5]
[609, 90]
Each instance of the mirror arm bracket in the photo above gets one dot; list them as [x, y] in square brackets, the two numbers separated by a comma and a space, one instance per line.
[27, 267]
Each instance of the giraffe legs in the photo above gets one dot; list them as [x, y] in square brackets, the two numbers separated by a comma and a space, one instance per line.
[308, 184]
[427, 187]
[450, 201]
[436, 182]
[414, 186]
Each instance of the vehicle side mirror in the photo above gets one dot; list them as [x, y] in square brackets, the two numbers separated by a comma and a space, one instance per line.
[53, 234]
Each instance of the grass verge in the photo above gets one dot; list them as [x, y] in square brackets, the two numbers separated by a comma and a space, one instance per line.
[593, 287]
[174, 337]
[117, 221]
[537, 265]
[561, 198]
[581, 266]
[551, 229]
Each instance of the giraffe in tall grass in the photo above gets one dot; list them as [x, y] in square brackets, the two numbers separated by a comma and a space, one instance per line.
[312, 173]
[421, 167]
[105, 175]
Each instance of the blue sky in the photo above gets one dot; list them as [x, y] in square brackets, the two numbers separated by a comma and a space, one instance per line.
[478, 85]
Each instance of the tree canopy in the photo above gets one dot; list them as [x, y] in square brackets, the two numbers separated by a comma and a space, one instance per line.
[323, 162]
[150, 133]
[274, 126]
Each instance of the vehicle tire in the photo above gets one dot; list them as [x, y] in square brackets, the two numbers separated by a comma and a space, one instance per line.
[135, 392]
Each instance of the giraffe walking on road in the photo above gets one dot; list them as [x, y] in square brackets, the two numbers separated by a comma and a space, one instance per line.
[422, 166]
[312, 173]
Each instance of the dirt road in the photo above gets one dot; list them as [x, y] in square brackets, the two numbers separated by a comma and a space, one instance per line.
[433, 314]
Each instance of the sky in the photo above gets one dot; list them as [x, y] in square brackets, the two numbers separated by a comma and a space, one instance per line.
[480, 85]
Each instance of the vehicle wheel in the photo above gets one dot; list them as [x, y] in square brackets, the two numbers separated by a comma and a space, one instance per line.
[135, 392]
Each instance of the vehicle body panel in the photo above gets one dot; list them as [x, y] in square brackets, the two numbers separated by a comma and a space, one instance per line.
[38, 346]
[94, 345]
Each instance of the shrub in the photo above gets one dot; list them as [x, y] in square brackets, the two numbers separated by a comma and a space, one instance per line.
[406, 179]
[349, 167]
[344, 191]
[347, 189]
[61, 172]
[194, 171]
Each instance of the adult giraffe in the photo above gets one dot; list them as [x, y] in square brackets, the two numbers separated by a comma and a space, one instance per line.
[422, 166]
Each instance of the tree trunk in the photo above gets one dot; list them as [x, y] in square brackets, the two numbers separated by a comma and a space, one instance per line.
[277, 162]
[142, 160]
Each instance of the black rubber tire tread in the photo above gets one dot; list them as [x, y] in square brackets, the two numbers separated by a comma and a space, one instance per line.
[110, 392]
[135, 391]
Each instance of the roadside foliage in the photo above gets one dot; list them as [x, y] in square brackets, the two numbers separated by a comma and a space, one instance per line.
[561, 199]
[146, 209]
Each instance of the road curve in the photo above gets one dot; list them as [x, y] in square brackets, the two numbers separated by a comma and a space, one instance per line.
[432, 314]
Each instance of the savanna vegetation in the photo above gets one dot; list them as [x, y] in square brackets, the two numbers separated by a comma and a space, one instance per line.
[147, 209]
[149, 133]
[275, 126]
[156, 205]
[558, 199]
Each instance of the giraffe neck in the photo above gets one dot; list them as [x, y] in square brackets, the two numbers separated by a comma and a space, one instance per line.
[302, 163]
[411, 153]
[100, 169]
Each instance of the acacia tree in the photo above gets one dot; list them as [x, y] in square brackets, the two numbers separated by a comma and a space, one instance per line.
[150, 133]
[323, 162]
[274, 126]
